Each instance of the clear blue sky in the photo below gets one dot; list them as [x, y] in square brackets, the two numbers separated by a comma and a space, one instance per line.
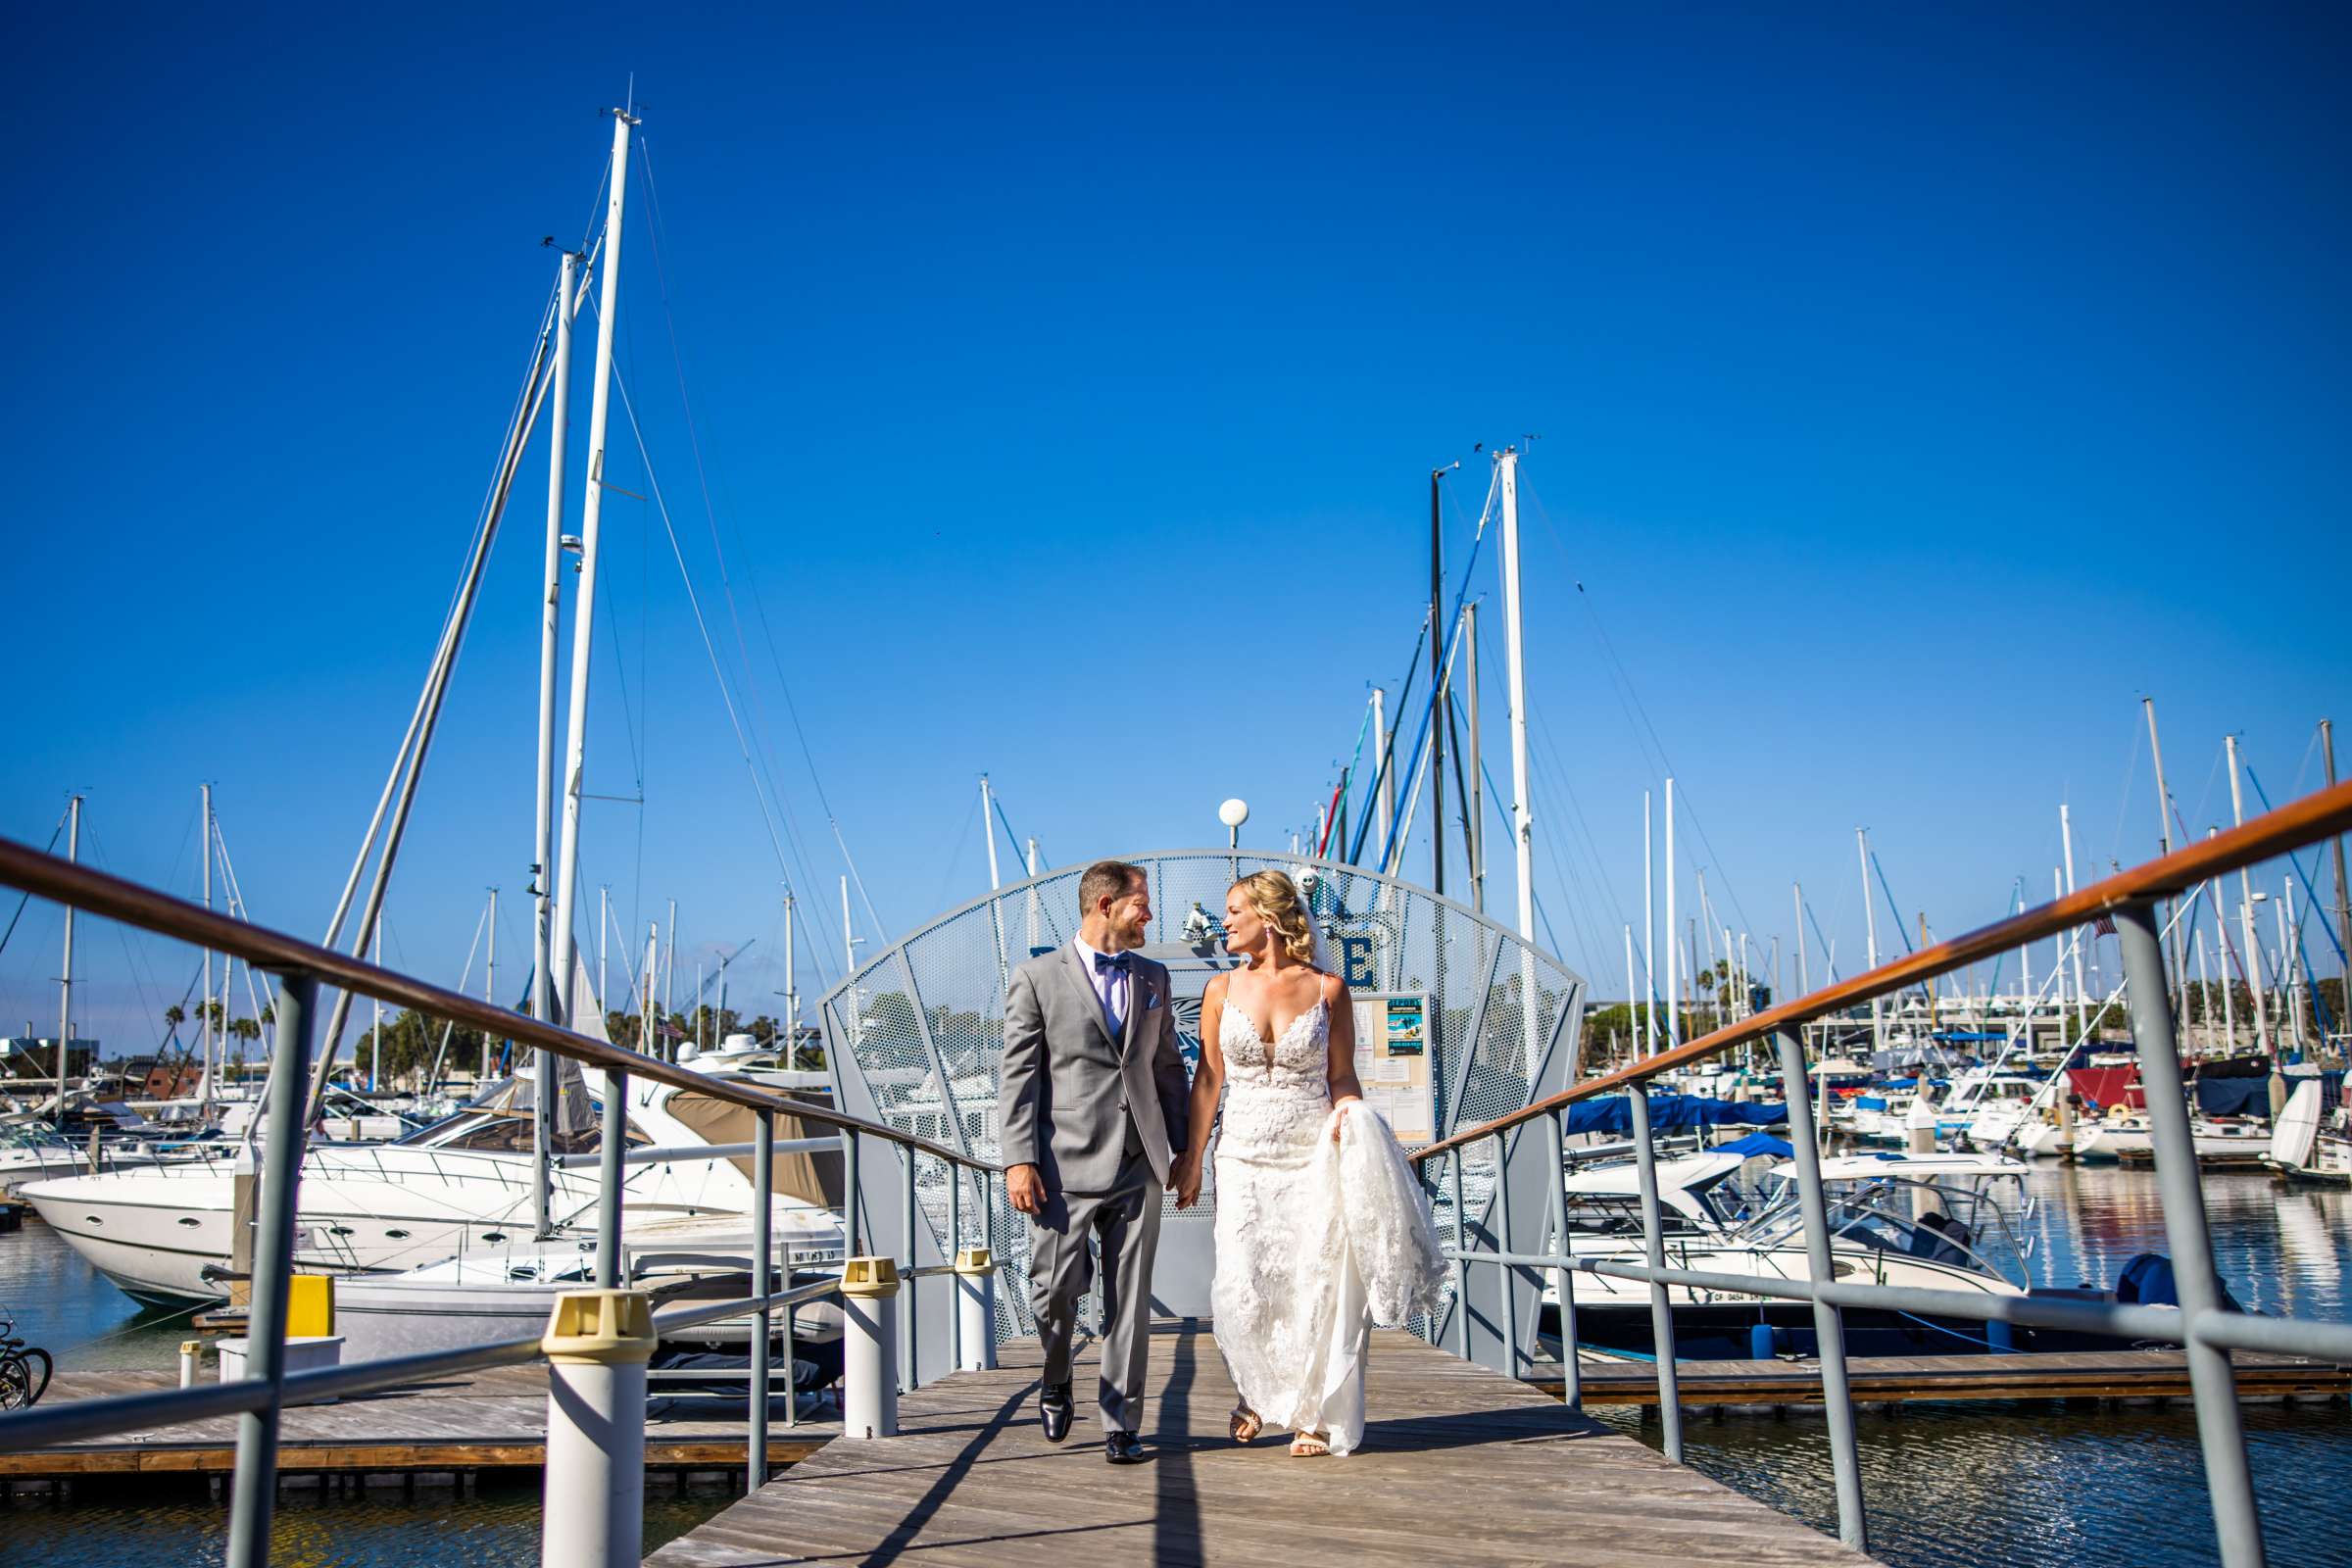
[1917, 388]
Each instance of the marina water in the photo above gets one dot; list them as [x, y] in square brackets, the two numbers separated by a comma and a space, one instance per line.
[2025, 1484]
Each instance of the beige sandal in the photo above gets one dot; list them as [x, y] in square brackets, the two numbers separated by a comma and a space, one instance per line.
[1309, 1446]
[1245, 1425]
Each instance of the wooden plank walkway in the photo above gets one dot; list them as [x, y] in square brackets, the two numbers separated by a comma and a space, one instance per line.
[1900, 1379]
[480, 1420]
[1459, 1465]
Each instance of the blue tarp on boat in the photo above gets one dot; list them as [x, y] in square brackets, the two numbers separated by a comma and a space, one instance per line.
[1757, 1144]
[1672, 1112]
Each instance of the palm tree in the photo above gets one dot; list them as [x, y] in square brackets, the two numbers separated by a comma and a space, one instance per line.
[173, 1017]
[245, 1031]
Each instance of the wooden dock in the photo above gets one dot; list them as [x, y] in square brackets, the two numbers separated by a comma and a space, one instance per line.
[446, 1427]
[1459, 1465]
[2109, 1375]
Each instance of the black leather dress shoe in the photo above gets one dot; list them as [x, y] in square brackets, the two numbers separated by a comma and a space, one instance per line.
[1053, 1410]
[1122, 1448]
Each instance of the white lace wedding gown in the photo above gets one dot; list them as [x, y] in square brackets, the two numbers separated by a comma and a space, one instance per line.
[1315, 1240]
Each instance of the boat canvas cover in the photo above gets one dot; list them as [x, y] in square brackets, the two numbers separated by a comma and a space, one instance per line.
[575, 1117]
[2108, 1086]
[1615, 1113]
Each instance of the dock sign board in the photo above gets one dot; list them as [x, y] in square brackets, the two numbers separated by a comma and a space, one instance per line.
[1392, 1062]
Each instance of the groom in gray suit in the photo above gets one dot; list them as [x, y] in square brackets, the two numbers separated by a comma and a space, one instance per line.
[1092, 1102]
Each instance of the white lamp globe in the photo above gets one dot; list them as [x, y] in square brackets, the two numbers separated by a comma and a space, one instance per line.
[1232, 813]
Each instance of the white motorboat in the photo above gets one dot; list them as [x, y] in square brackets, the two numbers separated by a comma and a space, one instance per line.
[459, 1187]
[2128, 1135]
[508, 1292]
[1948, 1221]
[31, 1151]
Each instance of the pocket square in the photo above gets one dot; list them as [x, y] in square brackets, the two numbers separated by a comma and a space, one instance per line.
[1151, 1000]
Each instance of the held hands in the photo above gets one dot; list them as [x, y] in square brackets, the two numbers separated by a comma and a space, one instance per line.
[1185, 1177]
[1025, 1187]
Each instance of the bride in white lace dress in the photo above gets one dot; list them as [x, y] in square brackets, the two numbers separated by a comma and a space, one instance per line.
[1320, 1226]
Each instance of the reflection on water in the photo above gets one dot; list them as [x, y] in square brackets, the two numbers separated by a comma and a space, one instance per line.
[1946, 1485]
[2065, 1486]
[74, 1312]
[2037, 1486]
[497, 1528]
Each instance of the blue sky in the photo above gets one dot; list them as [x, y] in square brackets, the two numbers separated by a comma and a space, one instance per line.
[1914, 391]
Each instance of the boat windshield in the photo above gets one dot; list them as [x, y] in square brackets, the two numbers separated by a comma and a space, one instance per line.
[507, 1132]
[1972, 1222]
[32, 1135]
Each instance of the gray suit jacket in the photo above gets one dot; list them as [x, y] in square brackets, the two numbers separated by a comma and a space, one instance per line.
[1067, 1088]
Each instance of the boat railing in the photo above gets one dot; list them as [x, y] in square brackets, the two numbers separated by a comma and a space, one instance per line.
[2206, 1328]
[597, 1378]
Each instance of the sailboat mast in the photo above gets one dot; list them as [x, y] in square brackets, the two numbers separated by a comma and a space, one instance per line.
[1649, 931]
[550, 624]
[2164, 846]
[1034, 910]
[1674, 1000]
[792, 989]
[1437, 692]
[1474, 832]
[988, 835]
[1805, 970]
[2343, 898]
[583, 618]
[204, 1015]
[2245, 909]
[65, 990]
[1514, 675]
[489, 985]
[2065, 839]
[1870, 933]
[1384, 790]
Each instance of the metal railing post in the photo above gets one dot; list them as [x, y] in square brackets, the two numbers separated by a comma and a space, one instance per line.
[1572, 1370]
[870, 1377]
[910, 1372]
[254, 1491]
[608, 1179]
[764, 1248]
[2221, 1434]
[849, 1186]
[1653, 1241]
[792, 1371]
[1829, 1323]
[1504, 1273]
[597, 1345]
[954, 1253]
[1461, 1269]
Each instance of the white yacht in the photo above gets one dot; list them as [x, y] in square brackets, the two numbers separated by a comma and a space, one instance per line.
[1948, 1221]
[456, 1188]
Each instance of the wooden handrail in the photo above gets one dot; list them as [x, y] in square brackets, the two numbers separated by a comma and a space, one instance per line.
[2317, 816]
[94, 892]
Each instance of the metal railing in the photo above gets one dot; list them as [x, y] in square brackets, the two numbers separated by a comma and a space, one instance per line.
[2204, 1325]
[612, 1503]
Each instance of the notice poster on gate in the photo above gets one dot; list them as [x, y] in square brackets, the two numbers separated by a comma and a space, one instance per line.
[1393, 1061]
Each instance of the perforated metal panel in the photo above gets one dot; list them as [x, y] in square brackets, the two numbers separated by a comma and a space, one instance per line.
[915, 1035]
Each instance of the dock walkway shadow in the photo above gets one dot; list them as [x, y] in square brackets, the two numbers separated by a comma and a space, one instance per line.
[1459, 1465]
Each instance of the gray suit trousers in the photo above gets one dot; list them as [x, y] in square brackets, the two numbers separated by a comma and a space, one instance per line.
[1125, 1223]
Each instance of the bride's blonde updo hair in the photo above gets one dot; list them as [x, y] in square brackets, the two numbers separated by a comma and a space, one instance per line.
[1275, 897]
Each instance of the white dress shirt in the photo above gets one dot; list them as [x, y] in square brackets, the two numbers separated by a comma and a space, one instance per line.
[1110, 988]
